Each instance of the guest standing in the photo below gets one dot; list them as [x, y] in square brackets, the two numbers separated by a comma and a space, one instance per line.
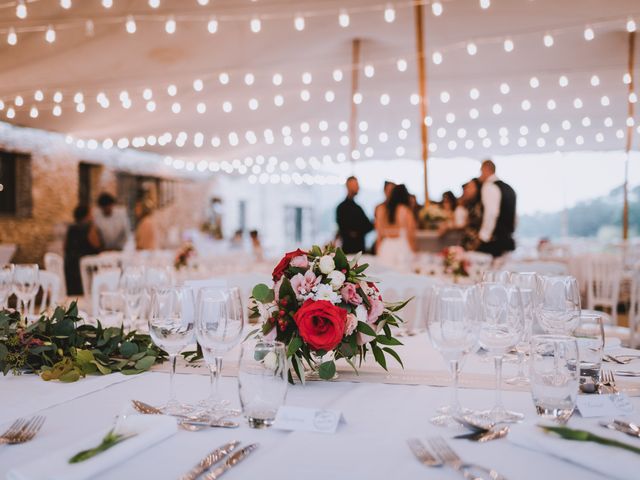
[146, 231]
[396, 227]
[82, 239]
[499, 213]
[113, 223]
[388, 190]
[472, 204]
[353, 223]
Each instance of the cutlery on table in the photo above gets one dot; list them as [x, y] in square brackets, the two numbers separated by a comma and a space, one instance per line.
[22, 431]
[423, 455]
[481, 432]
[212, 458]
[467, 470]
[629, 428]
[608, 380]
[627, 373]
[147, 409]
[196, 425]
[231, 462]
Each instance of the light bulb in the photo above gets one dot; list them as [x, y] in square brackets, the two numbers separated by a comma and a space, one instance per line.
[256, 25]
[12, 37]
[198, 85]
[212, 25]
[472, 48]
[389, 14]
[589, 34]
[66, 4]
[154, 3]
[402, 65]
[534, 82]
[170, 26]
[50, 34]
[223, 78]
[130, 25]
[548, 40]
[436, 58]
[369, 71]
[436, 8]
[21, 10]
[631, 25]
[343, 19]
[508, 45]
[298, 23]
[107, 3]
[337, 75]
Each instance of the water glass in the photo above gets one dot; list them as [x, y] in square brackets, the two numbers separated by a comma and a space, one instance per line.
[25, 285]
[6, 284]
[453, 321]
[590, 337]
[132, 285]
[171, 327]
[262, 380]
[558, 304]
[555, 375]
[111, 309]
[496, 276]
[526, 282]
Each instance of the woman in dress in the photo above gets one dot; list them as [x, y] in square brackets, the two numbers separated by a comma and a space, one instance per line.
[396, 228]
[82, 239]
[146, 234]
[473, 204]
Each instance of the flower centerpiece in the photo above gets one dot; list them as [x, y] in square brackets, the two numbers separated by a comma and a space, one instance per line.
[455, 261]
[431, 216]
[184, 254]
[323, 307]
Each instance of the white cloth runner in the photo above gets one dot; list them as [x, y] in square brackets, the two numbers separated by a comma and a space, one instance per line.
[611, 462]
[148, 429]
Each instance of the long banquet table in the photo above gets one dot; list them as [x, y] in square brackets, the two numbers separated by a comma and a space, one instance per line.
[371, 444]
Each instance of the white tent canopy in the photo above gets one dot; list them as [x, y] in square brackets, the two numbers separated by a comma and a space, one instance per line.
[289, 90]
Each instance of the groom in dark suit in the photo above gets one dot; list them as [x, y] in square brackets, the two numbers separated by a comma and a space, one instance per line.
[353, 223]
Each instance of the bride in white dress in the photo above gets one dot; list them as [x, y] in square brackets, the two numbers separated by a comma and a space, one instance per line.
[396, 228]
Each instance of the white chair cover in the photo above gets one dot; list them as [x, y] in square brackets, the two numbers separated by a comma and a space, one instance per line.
[604, 274]
[103, 281]
[50, 289]
[54, 263]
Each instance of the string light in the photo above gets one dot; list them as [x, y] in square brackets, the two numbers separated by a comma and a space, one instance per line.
[589, 34]
[130, 25]
[508, 45]
[343, 19]
[631, 25]
[337, 75]
[595, 80]
[256, 25]
[154, 3]
[436, 8]
[50, 34]
[548, 40]
[170, 26]
[436, 58]
[66, 4]
[484, 4]
[389, 14]
[402, 65]
[472, 48]
[107, 3]
[212, 25]
[298, 23]
[21, 10]
[12, 37]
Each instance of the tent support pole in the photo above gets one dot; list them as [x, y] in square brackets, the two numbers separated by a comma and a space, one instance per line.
[630, 114]
[422, 87]
[353, 120]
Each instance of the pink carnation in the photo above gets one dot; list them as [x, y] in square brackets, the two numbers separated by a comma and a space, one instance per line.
[301, 261]
[303, 285]
[350, 295]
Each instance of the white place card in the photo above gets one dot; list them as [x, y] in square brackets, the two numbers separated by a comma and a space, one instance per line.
[604, 405]
[301, 419]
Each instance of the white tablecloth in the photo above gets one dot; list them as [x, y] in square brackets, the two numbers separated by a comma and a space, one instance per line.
[371, 445]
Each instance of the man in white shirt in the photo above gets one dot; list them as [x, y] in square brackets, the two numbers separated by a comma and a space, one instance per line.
[499, 213]
[112, 222]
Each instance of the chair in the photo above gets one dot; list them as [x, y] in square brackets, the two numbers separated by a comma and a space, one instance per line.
[103, 281]
[50, 293]
[92, 264]
[604, 274]
[634, 309]
[54, 263]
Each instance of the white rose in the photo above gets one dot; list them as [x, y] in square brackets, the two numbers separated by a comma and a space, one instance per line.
[270, 360]
[336, 279]
[327, 265]
[325, 292]
[361, 313]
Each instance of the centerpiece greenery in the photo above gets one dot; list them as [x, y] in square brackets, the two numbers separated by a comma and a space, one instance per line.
[61, 347]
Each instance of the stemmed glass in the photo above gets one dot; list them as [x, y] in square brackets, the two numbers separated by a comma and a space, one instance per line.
[111, 309]
[219, 324]
[171, 326]
[25, 285]
[526, 282]
[132, 284]
[501, 329]
[496, 276]
[558, 304]
[453, 322]
[6, 284]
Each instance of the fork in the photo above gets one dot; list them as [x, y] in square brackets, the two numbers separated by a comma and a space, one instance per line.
[608, 380]
[469, 471]
[22, 431]
[423, 455]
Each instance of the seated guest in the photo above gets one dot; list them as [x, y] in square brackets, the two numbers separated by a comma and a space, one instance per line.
[82, 239]
[146, 230]
[113, 222]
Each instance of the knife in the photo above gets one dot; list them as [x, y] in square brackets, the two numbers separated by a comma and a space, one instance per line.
[208, 461]
[630, 428]
[620, 427]
[232, 461]
[215, 424]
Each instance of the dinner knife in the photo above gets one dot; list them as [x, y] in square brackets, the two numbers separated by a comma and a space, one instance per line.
[232, 461]
[214, 424]
[211, 459]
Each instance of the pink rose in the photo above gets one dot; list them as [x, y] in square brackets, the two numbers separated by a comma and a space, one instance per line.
[352, 323]
[301, 261]
[350, 295]
[377, 307]
[303, 285]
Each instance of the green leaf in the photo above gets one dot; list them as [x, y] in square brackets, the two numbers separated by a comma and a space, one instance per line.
[394, 354]
[388, 340]
[294, 345]
[263, 293]
[70, 376]
[327, 370]
[145, 363]
[127, 349]
[3, 351]
[397, 306]
[110, 439]
[366, 329]
[340, 260]
[286, 290]
[298, 368]
[361, 268]
[378, 354]
[316, 251]
[102, 369]
[585, 436]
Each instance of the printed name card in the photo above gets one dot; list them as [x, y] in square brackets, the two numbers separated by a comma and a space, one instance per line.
[604, 405]
[300, 419]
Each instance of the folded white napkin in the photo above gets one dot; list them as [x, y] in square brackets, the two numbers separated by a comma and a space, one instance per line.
[148, 429]
[612, 462]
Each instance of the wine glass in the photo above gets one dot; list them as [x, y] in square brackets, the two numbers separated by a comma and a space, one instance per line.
[132, 284]
[6, 284]
[526, 282]
[453, 322]
[558, 304]
[171, 327]
[111, 308]
[25, 285]
[502, 328]
[219, 324]
[496, 276]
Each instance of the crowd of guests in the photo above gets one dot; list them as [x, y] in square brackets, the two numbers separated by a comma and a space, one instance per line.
[484, 215]
[108, 229]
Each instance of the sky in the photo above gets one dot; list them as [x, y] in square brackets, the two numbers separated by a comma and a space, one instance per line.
[544, 182]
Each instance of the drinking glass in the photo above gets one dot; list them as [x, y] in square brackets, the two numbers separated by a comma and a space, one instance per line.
[453, 322]
[555, 374]
[558, 304]
[25, 285]
[157, 276]
[111, 309]
[132, 284]
[590, 337]
[6, 284]
[262, 380]
[501, 330]
[171, 326]
[496, 276]
[219, 324]
[526, 282]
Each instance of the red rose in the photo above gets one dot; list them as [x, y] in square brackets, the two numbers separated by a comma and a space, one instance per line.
[321, 324]
[284, 264]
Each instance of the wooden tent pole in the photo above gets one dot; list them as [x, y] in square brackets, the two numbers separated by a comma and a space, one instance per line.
[630, 114]
[353, 120]
[422, 88]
